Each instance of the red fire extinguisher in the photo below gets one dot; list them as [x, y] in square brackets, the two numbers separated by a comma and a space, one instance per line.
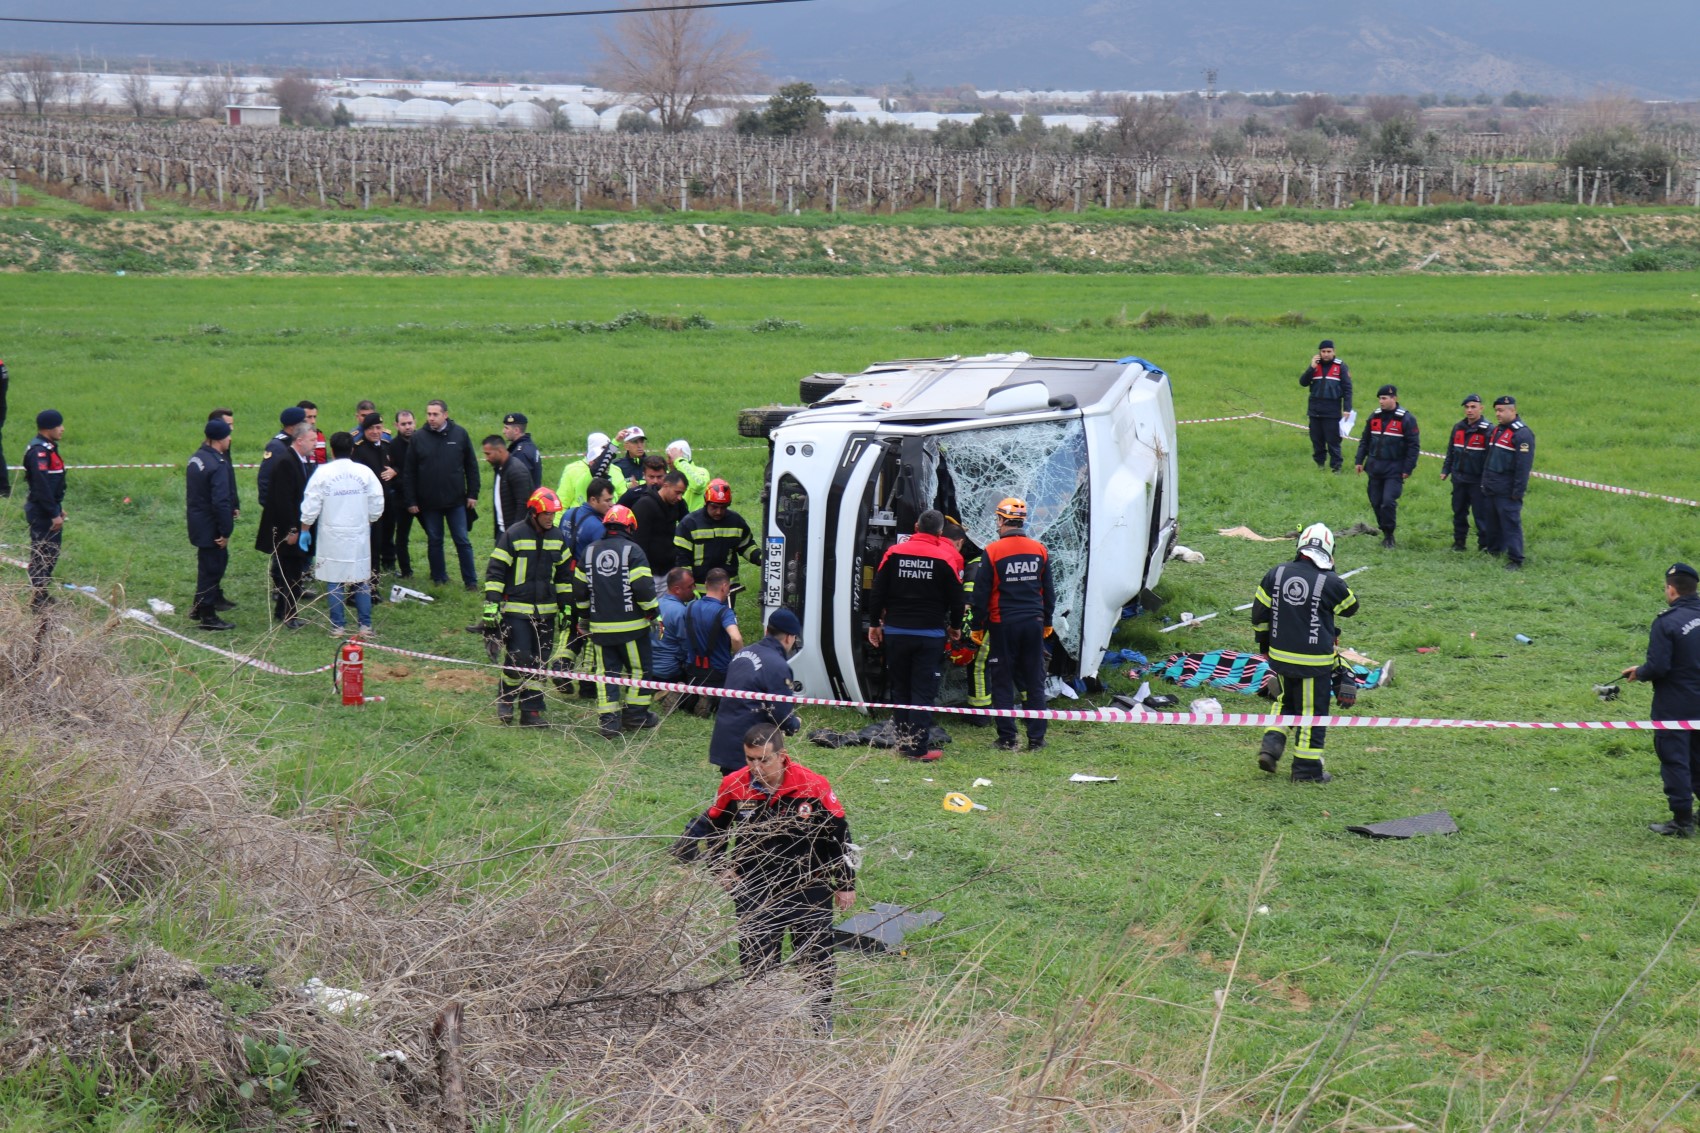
[348, 674]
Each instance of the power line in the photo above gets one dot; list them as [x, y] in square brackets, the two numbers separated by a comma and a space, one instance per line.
[686, 7]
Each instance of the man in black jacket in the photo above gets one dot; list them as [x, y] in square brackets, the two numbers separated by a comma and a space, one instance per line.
[512, 482]
[378, 454]
[658, 513]
[209, 488]
[521, 445]
[1294, 611]
[763, 667]
[402, 534]
[44, 509]
[1388, 451]
[279, 534]
[915, 609]
[1466, 455]
[1673, 665]
[1330, 384]
[276, 449]
[438, 484]
[5, 472]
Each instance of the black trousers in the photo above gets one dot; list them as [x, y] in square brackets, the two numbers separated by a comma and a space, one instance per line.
[210, 565]
[766, 915]
[1307, 695]
[530, 640]
[1500, 522]
[1325, 441]
[1679, 758]
[45, 545]
[914, 668]
[1017, 660]
[289, 568]
[403, 558]
[1384, 492]
[1466, 499]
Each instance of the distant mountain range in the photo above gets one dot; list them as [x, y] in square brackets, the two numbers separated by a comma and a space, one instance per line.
[1410, 46]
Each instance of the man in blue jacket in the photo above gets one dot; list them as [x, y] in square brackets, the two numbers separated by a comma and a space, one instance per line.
[763, 667]
[209, 488]
[1673, 667]
[1330, 384]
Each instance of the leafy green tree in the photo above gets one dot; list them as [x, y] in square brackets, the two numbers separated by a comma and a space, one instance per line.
[1633, 166]
[792, 110]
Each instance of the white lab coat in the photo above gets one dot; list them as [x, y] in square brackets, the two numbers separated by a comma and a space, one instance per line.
[344, 498]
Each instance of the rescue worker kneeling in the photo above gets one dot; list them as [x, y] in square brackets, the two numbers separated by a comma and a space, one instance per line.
[614, 593]
[1294, 610]
[527, 588]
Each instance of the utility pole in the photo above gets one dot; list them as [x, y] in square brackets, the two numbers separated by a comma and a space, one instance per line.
[1210, 94]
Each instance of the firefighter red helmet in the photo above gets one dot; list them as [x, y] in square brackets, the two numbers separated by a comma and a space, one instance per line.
[719, 492]
[543, 502]
[1012, 509]
[620, 516]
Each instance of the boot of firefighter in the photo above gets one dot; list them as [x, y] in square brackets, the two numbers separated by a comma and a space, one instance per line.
[1309, 771]
[608, 725]
[1269, 754]
[636, 720]
[532, 718]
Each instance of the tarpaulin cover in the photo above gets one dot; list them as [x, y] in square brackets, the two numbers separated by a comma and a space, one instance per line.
[1435, 822]
[881, 930]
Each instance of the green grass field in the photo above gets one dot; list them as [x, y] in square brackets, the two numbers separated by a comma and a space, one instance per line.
[1526, 927]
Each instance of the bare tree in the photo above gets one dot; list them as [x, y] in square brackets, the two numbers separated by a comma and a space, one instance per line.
[301, 100]
[215, 92]
[34, 84]
[82, 93]
[1146, 126]
[675, 63]
[136, 89]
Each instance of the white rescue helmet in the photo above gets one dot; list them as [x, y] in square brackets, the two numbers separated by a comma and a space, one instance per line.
[1316, 543]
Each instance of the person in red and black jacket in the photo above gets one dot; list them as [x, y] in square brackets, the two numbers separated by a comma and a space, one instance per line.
[319, 455]
[790, 861]
[1465, 458]
[915, 609]
[1505, 479]
[1388, 452]
[1330, 385]
[44, 472]
[1014, 599]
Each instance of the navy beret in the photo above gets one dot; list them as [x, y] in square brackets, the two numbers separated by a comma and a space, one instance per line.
[1683, 568]
[217, 429]
[1506, 400]
[294, 415]
[49, 419]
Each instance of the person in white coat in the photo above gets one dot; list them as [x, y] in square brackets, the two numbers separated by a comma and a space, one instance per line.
[344, 498]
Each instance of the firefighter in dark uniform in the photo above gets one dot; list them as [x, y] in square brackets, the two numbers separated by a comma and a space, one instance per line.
[614, 596]
[791, 861]
[1330, 384]
[527, 586]
[914, 611]
[1505, 478]
[209, 488]
[715, 536]
[1673, 665]
[963, 651]
[1013, 602]
[1388, 451]
[1294, 611]
[1465, 457]
[44, 473]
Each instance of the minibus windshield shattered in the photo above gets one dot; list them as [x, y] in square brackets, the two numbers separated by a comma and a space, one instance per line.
[1044, 463]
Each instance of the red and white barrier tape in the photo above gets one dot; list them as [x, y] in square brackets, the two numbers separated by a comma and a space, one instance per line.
[1536, 474]
[1614, 490]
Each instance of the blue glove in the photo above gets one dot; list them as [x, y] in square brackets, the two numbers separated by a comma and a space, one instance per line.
[305, 542]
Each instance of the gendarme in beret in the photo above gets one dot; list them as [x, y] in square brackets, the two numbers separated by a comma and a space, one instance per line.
[515, 419]
[1325, 344]
[1387, 391]
[1469, 397]
[1506, 400]
[1682, 568]
[49, 419]
[216, 429]
[371, 419]
[294, 415]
